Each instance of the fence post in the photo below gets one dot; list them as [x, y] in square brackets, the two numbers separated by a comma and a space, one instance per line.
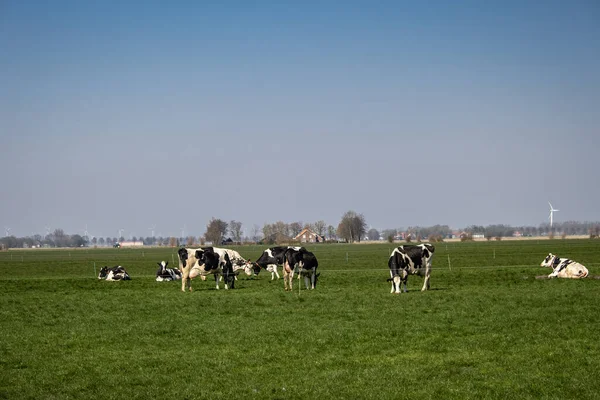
[449, 266]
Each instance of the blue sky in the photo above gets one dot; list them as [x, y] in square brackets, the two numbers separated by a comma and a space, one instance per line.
[132, 114]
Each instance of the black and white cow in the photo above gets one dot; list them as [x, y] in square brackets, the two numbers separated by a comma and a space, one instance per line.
[564, 268]
[238, 262]
[165, 274]
[308, 269]
[202, 262]
[410, 260]
[117, 273]
[270, 259]
[298, 259]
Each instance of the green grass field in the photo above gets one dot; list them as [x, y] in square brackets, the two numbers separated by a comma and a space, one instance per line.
[487, 329]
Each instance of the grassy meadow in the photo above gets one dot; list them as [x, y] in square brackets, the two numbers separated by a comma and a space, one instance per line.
[486, 329]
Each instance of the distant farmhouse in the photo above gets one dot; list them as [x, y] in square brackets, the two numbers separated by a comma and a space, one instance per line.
[308, 236]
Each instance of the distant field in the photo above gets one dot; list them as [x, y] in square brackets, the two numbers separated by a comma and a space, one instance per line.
[487, 329]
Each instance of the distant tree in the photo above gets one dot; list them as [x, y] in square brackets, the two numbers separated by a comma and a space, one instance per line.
[331, 232]
[373, 234]
[77, 241]
[94, 240]
[101, 241]
[295, 228]
[268, 231]
[235, 228]
[190, 241]
[320, 227]
[255, 233]
[134, 239]
[352, 227]
[215, 231]
[121, 239]
[173, 242]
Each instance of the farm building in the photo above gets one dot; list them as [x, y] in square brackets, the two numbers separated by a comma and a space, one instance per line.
[308, 236]
[131, 244]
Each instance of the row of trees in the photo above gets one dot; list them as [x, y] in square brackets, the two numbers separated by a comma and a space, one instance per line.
[351, 228]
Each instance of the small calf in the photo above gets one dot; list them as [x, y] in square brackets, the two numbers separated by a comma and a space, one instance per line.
[165, 274]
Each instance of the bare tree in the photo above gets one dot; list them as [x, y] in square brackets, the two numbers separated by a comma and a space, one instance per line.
[320, 227]
[255, 233]
[331, 231]
[235, 228]
[190, 241]
[352, 227]
[215, 231]
[295, 228]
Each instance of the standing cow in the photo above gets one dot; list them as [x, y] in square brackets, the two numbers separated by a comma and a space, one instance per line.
[202, 262]
[298, 259]
[270, 259]
[564, 268]
[410, 260]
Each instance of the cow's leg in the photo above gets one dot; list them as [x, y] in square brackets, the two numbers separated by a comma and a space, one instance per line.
[285, 280]
[427, 275]
[185, 279]
[306, 280]
[217, 280]
[275, 270]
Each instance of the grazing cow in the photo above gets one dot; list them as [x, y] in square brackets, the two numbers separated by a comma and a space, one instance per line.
[308, 269]
[564, 268]
[238, 262]
[117, 273]
[270, 259]
[165, 274]
[203, 261]
[298, 259]
[410, 260]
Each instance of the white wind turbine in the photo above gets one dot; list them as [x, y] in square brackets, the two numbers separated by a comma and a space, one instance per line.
[152, 229]
[7, 231]
[552, 210]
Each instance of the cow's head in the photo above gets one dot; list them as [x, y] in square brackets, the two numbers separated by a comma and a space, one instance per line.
[103, 273]
[183, 255]
[548, 261]
[163, 265]
[253, 267]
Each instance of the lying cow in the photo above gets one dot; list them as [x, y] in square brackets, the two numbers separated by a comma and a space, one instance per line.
[298, 259]
[564, 268]
[117, 273]
[165, 274]
[410, 260]
[202, 262]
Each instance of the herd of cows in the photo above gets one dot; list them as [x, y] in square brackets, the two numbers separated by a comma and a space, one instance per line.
[226, 264]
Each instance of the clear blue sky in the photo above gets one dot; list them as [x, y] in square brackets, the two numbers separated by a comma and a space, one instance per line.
[127, 114]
